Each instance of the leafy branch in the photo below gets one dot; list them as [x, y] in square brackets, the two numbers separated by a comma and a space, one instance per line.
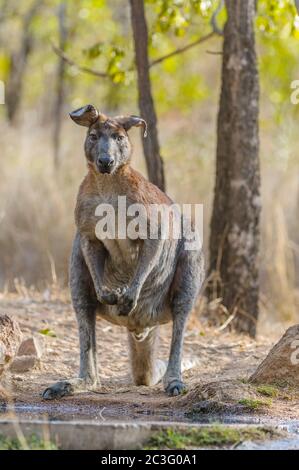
[180, 50]
[72, 63]
[97, 73]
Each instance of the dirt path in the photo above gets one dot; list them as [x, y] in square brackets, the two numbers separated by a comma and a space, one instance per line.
[216, 385]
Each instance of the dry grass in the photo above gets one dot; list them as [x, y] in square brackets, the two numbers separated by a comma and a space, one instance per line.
[36, 209]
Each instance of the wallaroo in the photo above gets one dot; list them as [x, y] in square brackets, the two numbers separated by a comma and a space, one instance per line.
[136, 283]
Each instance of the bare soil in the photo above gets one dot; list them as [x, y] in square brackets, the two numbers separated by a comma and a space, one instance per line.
[217, 385]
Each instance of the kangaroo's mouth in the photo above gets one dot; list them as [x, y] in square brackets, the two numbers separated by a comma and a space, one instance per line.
[106, 171]
[105, 165]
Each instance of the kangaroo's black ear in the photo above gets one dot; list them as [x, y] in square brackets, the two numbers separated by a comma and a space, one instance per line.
[85, 116]
[129, 121]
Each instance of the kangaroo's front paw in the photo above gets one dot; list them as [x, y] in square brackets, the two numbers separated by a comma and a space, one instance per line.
[109, 297]
[175, 387]
[126, 302]
[58, 390]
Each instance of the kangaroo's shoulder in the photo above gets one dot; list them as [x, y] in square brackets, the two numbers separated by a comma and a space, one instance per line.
[87, 200]
[140, 190]
[87, 186]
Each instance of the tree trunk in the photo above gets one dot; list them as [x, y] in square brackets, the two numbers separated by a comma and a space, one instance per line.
[60, 85]
[151, 146]
[3, 10]
[235, 224]
[18, 63]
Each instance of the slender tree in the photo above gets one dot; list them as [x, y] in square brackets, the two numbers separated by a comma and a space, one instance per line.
[60, 84]
[151, 146]
[235, 224]
[18, 64]
[3, 10]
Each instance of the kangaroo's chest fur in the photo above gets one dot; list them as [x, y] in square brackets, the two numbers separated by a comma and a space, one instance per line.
[98, 194]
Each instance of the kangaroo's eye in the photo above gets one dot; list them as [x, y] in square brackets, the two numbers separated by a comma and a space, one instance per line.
[117, 137]
[93, 137]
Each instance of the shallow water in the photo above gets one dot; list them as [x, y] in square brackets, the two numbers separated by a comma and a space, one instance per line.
[64, 411]
[73, 412]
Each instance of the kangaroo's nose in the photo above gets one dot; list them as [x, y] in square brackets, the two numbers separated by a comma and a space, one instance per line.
[105, 162]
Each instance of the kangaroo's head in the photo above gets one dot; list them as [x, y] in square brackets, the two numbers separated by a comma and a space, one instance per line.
[107, 144]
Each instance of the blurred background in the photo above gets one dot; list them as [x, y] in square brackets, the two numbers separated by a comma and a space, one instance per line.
[58, 55]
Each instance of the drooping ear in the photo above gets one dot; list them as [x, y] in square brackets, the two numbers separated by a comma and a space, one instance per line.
[85, 116]
[129, 121]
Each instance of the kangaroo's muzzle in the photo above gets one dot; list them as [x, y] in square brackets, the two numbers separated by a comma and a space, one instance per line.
[105, 164]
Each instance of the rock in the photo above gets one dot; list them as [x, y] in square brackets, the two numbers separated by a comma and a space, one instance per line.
[10, 339]
[29, 354]
[23, 364]
[281, 366]
[31, 347]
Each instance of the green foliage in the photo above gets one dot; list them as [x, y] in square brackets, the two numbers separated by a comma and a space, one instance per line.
[177, 15]
[254, 404]
[34, 443]
[94, 51]
[217, 435]
[4, 66]
[278, 67]
[113, 55]
[277, 33]
[277, 18]
[268, 391]
[47, 332]
[100, 37]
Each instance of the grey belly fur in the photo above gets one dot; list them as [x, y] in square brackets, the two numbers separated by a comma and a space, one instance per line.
[153, 303]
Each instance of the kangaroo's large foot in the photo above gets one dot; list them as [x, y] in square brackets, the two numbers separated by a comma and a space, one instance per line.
[174, 387]
[67, 387]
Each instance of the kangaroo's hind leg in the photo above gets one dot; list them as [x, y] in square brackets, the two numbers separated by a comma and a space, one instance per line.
[184, 291]
[146, 368]
[85, 305]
